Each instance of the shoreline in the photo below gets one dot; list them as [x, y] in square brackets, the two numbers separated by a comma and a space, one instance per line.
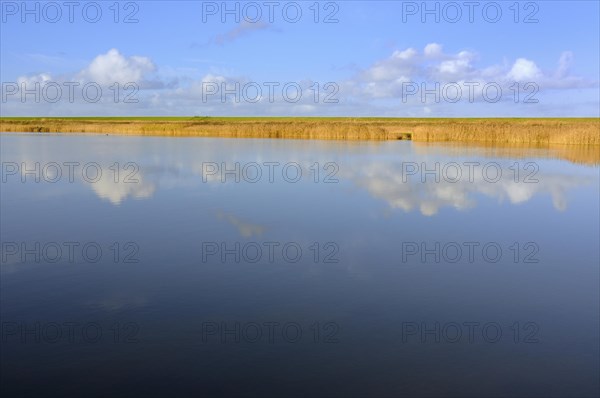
[528, 131]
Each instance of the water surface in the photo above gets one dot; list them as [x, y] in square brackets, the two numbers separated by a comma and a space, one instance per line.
[342, 269]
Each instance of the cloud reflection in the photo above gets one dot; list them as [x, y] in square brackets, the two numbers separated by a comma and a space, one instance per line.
[246, 229]
[117, 192]
[177, 165]
[386, 181]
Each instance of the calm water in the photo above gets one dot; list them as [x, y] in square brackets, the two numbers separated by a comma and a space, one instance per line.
[328, 268]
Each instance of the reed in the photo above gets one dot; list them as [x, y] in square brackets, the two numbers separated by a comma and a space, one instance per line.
[533, 131]
[588, 155]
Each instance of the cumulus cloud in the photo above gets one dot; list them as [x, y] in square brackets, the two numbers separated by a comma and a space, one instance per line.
[401, 63]
[30, 81]
[114, 67]
[388, 78]
[373, 90]
[433, 50]
[456, 68]
[524, 70]
[105, 69]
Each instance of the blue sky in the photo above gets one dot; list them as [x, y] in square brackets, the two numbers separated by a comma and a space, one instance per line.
[173, 55]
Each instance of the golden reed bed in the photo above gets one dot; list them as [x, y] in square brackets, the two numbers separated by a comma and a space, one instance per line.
[568, 131]
[588, 155]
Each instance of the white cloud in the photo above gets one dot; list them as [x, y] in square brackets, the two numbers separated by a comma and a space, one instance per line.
[30, 81]
[433, 50]
[458, 68]
[389, 77]
[524, 70]
[113, 67]
[374, 90]
[405, 55]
